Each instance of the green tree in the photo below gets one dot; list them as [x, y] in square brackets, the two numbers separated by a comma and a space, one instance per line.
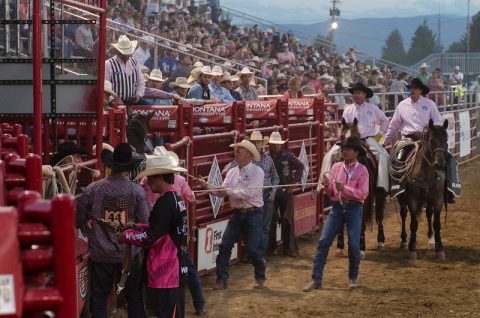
[461, 45]
[424, 43]
[394, 50]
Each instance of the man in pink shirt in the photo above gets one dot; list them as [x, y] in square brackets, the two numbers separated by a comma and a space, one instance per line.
[243, 186]
[347, 187]
[286, 56]
[411, 118]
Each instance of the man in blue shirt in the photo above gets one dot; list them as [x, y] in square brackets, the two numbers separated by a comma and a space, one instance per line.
[216, 88]
[200, 89]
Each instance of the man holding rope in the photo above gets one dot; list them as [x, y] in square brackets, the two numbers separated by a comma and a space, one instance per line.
[243, 186]
[410, 119]
[347, 187]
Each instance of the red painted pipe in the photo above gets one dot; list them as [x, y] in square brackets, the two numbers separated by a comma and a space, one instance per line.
[102, 42]
[37, 76]
[64, 263]
[34, 172]
[39, 299]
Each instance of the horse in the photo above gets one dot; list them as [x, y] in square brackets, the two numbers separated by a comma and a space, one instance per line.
[137, 130]
[376, 197]
[426, 186]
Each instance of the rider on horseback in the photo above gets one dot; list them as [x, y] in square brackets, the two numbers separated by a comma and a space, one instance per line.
[411, 117]
[368, 115]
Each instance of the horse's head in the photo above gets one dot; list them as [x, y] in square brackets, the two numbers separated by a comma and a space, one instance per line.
[137, 129]
[349, 130]
[436, 144]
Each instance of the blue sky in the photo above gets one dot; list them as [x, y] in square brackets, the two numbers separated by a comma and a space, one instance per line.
[312, 11]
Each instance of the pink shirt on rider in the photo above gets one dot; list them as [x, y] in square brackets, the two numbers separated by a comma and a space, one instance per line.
[411, 117]
[355, 178]
[367, 115]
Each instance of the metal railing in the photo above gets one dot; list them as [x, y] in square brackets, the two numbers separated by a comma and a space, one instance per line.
[469, 62]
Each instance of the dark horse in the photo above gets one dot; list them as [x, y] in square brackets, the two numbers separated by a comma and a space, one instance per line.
[137, 130]
[376, 197]
[426, 185]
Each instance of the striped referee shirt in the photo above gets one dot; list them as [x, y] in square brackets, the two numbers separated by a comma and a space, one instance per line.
[127, 79]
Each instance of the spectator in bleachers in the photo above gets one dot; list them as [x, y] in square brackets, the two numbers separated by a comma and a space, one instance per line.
[200, 89]
[227, 82]
[245, 90]
[124, 20]
[216, 89]
[142, 53]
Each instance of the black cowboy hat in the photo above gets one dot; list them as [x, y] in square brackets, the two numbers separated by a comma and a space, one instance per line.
[353, 143]
[66, 149]
[361, 87]
[417, 83]
[121, 159]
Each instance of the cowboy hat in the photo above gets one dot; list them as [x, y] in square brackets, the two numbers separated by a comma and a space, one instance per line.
[361, 87]
[180, 82]
[227, 64]
[124, 45]
[66, 149]
[194, 75]
[198, 64]
[424, 65]
[216, 71]
[353, 143]
[276, 139]
[257, 136]
[248, 146]
[281, 76]
[144, 69]
[162, 151]
[226, 77]
[156, 75]
[157, 165]
[120, 159]
[104, 146]
[245, 71]
[417, 83]
[108, 89]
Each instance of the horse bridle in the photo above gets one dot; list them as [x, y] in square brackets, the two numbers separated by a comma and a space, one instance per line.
[433, 152]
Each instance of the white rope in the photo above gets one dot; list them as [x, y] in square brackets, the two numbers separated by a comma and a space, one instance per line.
[400, 170]
[250, 188]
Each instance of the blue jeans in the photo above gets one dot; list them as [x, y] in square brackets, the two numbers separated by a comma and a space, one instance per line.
[194, 284]
[267, 219]
[249, 224]
[352, 217]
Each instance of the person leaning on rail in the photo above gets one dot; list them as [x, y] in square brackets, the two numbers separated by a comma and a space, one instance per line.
[411, 118]
[243, 186]
[347, 187]
[124, 72]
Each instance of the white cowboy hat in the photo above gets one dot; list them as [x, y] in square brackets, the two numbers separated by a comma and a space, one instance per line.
[217, 71]
[180, 82]
[157, 165]
[125, 46]
[108, 88]
[206, 70]
[257, 136]
[457, 68]
[227, 77]
[276, 139]
[424, 65]
[182, 48]
[198, 64]
[104, 146]
[255, 59]
[227, 64]
[322, 63]
[162, 151]
[248, 146]
[245, 71]
[281, 76]
[156, 75]
[144, 69]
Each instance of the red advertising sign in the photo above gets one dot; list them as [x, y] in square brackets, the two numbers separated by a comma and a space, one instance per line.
[300, 107]
[305, 215]
[166, 117]
[261, 109]
[212, 114]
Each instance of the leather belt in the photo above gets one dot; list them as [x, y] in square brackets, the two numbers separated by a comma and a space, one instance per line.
[247, 210]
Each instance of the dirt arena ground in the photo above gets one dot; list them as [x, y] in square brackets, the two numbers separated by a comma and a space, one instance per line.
[390, 285]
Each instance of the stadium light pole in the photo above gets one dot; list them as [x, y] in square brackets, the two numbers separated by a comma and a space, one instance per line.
[334, 12]
[468, 37]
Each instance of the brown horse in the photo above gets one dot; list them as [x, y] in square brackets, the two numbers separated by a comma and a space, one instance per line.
[426, 186]
[376, 197]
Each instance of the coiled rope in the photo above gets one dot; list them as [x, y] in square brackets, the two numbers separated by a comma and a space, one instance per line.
[400, 169]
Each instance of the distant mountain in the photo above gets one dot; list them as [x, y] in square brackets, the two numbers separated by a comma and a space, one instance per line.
[369, 34]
